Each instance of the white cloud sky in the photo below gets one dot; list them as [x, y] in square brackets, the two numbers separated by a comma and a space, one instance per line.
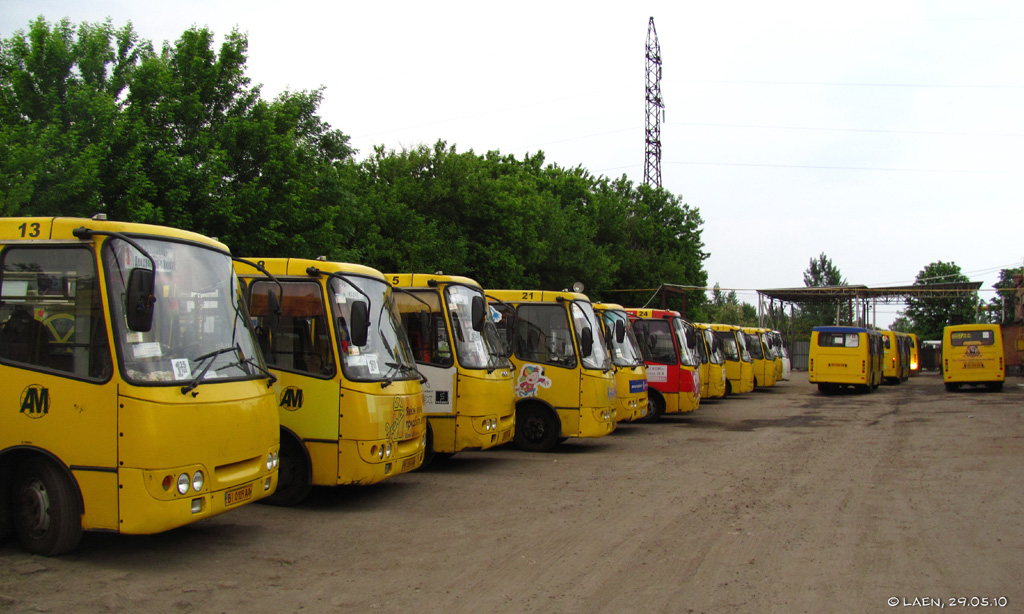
[887, 134]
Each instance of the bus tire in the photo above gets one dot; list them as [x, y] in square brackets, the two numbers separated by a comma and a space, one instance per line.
[46, 518]
[995, 386]
[655, 408]
[952, 387]
[428, 450]
[293, 482]
[537, 429]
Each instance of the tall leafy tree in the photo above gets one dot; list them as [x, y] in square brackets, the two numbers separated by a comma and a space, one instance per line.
[821, 272]
[61, 93]
[726, 308]
[1001, 306]
[930, 314]
[92, 119]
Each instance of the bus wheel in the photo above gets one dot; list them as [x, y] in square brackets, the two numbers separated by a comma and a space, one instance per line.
[292, 475]
[655, 409]
[952, 387]
[45, 518]
[428, 449]
[536, 429]
[995, 386]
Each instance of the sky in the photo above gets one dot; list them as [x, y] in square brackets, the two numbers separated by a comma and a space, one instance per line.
[886, 134]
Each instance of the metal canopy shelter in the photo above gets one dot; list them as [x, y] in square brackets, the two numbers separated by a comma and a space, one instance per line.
[860, 295]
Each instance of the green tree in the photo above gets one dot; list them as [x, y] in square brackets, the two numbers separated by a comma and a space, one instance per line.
[91, 119]
[822, 273]
[521, 223]
[1000, 306]
[930, 314]
[726, 308]
[61, 94]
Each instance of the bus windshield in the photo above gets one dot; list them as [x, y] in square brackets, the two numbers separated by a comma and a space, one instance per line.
[741, 340]
[715, 356]
[200, 328]
[729, 347]
[626, 353]
[386, 355]
[687, 356]
[475, 349]
[583, 317]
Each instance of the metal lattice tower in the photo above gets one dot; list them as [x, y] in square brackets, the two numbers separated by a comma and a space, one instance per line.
[655, 109]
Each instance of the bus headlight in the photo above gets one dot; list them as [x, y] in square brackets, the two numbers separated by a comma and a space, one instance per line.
[272, 460]
[183, 483]
[197, 481]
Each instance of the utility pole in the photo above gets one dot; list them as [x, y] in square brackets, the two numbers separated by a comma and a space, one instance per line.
[655, 109]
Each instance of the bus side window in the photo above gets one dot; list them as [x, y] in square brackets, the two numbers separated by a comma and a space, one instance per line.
[51, 313]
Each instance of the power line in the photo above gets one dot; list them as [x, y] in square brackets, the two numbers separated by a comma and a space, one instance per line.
[868, 130]
[843, 168]
[852, 84]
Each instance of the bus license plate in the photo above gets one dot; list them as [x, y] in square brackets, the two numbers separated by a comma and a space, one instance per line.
[507, 435]
[237, 496]
[408, 464]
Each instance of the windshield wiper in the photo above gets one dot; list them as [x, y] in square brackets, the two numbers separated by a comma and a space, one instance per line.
[252, 363]
[394, 366]
[199, 377]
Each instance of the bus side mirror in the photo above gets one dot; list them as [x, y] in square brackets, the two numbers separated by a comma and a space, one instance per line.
[141, 298]
[477, 313]
[691, 338]
[588, 341]
[620, 331]
[360, 323]
[273, 310]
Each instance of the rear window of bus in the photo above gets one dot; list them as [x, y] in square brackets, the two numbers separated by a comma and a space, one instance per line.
[838, 340]
[963, 337]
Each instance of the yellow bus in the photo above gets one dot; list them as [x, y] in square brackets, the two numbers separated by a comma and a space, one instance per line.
[915, 354]
[142, 400]
[348, 393]
[972, 354]
[468, 398]
[845, 356]
[712, 363]
[783, 354]
[763, 354]
[564, 384]
[739, 366]
[896, 358]
[627, 361]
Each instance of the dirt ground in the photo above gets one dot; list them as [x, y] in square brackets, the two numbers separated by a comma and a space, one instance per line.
[781, 500]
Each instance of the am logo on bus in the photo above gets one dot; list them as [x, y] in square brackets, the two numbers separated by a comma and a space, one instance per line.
[291, 398]
[35, 401]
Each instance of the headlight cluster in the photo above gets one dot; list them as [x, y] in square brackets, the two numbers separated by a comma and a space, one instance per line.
[184, 482]
[273, 460]
[490, 424]
[606, 415]
[381, 452]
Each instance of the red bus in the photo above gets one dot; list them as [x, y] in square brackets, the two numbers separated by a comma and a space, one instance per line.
[673, 379]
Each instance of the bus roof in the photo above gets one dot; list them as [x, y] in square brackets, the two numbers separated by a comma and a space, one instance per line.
[62, 228]
[535, 296]
[422, 280]
[842, 329]
[298, 267]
